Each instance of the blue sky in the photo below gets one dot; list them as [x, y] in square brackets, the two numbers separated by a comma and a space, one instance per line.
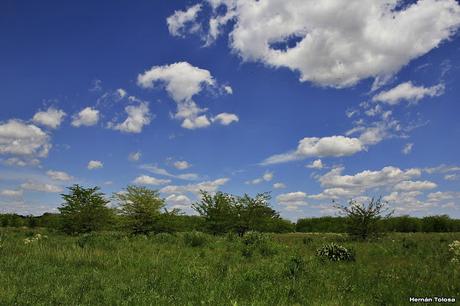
[312, 101]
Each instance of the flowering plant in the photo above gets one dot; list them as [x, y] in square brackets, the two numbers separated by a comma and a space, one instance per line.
[454, 248]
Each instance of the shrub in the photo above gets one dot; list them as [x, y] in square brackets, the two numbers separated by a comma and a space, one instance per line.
[363, 220]
[254, 238]
[335, 252]
[195, 239]
[260, 242]
[164, 238]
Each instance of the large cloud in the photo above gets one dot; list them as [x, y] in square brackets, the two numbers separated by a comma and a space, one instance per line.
[333, 146]
[331, 43]
[19, 138]
[367, 178]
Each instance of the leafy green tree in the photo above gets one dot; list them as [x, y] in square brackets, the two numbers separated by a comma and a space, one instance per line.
[255, 213]
[85, 210]
[218, 211]
[223, 213]
[363, 219]
[141, 208]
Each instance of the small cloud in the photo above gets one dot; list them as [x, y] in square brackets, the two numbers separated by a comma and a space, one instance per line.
[86, 117]
[11, 193]
[266, 177]
[279, 186]
[225, 118]
[317, 164]
[181, 165]
[95, 164]
[134, 156]
[228, 89]
[149, 180]
[407, 148]
[58, 175]
[51, 118]
[41, 187]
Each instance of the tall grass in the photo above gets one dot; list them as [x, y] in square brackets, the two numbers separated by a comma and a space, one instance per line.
[113, 269]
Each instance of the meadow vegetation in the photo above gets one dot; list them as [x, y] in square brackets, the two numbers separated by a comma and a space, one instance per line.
[236, 251]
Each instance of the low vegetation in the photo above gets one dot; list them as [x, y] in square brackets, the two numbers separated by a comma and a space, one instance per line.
[236, 251]
[116, 268]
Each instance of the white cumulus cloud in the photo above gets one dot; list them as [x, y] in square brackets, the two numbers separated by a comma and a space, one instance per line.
[181, 165]
[95, 164]
[225, 118]
[86, 117]
[19, 138]
[138, 117]
[51, 118]
[331, 43]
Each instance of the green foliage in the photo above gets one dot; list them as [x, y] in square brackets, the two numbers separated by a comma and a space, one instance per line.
[218, 211]
[322, 225]
[335, 252]
[195, 239]
[224, 213]
[363, 219]
[437, 224]
[85, 210]
[140, 208]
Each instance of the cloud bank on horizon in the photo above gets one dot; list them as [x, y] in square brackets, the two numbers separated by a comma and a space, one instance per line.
[317, 101]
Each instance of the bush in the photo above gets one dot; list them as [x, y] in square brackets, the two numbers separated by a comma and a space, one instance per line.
[164, 238]
[254, 238]
[364, 220]
[195, 239]
[307, 240]
[335, 252]
[260, 242]
[409, 244]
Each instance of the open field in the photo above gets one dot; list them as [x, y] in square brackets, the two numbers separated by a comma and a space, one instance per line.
[184, 269]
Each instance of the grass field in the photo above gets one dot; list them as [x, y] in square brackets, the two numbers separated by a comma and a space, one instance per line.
[181, 269]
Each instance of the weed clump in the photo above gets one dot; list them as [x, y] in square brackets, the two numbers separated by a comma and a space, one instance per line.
[195, 239]
[335, 252]
[257, 242]
[295, 266]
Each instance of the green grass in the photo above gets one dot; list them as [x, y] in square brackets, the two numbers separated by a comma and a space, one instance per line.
[113, 269]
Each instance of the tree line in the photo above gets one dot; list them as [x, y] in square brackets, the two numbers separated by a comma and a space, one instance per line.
[140, 210]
